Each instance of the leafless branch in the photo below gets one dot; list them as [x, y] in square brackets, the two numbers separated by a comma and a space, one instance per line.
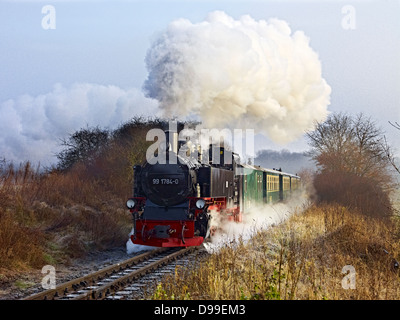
[396, 125]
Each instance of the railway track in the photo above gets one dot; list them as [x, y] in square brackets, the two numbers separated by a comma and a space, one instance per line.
[119, 281]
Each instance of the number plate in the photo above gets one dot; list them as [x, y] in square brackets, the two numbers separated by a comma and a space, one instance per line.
[165, 181]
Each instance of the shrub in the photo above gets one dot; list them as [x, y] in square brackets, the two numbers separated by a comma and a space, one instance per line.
[358, 193]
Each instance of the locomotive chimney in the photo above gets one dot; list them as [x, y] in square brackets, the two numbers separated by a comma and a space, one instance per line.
[171, 136]
[172, 140]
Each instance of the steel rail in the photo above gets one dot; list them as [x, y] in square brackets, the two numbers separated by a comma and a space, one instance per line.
[112, 287]
[74, 285]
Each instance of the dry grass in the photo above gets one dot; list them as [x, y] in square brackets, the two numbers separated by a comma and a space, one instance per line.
[49, 217]
[19, 246]
[302, 258]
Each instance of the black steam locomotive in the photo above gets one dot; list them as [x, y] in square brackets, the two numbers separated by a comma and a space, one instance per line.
[172, 202]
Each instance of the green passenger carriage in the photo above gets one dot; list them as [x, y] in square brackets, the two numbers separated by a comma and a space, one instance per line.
[261, 186]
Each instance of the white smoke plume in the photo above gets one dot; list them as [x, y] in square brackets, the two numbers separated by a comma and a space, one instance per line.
[31, 126]
[238, 74]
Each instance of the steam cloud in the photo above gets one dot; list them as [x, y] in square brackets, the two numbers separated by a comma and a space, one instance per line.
[258, 218]
[238, 74]
[230, 73]
[31, 127]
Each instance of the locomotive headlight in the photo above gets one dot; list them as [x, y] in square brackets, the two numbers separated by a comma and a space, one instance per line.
[200, 203]
[131, 203]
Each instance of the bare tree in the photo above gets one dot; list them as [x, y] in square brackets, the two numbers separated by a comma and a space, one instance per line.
[354, 145]
[389, 153]
[83, 145]
[396, 125]
[352, 155]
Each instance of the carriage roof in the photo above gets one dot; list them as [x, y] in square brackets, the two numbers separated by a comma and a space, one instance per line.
[258, 168]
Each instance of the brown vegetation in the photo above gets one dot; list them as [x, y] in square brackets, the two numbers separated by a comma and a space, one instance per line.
[49, 217]
[56, 216]
[355, 164]
[361, 194]
[350, 228]
[302, 258]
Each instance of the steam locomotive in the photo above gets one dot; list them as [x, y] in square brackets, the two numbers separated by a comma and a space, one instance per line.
[173, 202]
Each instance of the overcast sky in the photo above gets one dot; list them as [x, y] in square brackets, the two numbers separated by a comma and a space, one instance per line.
[85, 65]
